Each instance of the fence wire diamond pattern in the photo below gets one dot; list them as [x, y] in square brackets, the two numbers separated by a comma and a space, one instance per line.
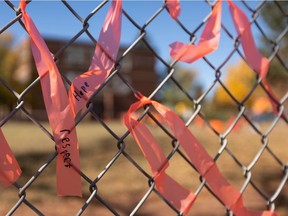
[116, 179]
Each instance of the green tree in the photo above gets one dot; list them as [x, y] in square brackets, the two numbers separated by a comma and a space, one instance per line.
[8, 60]
[172, 94]
[275, 16]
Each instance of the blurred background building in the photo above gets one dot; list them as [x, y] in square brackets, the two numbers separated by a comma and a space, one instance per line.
[138, 68]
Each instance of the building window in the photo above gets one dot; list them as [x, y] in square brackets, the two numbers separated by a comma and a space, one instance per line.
[75, 55]
[143, 62]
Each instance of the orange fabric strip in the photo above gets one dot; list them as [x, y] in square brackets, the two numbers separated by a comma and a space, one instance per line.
[197, 155]
[173, 8]
[9, 167]
[255, 59]
[208, 43]
[59, 112]
[173, 192]
[103, 61]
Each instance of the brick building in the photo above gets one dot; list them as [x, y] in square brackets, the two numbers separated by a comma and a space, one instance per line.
[138, 67]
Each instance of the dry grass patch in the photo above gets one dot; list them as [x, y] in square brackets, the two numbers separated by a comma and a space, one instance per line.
[124, 185]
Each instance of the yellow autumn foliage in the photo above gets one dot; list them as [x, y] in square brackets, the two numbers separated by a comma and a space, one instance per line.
[239, 81]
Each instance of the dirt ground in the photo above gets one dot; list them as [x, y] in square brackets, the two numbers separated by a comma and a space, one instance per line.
[123, 185]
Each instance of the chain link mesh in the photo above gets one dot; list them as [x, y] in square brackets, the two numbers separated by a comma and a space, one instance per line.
[116, 179]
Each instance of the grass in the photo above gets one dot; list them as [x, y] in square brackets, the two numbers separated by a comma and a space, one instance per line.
[124, 185]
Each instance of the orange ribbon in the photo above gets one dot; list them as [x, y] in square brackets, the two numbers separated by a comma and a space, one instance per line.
[173, 8]
[259, 63]
[9, 167]
[103, 61]
[60, 115]
[209, 42]
[179, 197]
[175, 194]
[62, 112]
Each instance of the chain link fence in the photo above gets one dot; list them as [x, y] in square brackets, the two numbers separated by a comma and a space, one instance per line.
[116, 178]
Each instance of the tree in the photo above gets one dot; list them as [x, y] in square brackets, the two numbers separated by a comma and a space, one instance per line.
[239, 81]
[275, 16]
[240, 78]
[172, 94]
[7, 66]
[175, 97]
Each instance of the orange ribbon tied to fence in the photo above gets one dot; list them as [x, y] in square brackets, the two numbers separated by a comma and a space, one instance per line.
[259, 63]
[179, 197]
[173, 8]
[59, 112]
[103, 60]
[9, 167]
[209, 42]
[62, 108]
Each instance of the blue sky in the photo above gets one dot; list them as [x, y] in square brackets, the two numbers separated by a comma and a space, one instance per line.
[54, 20]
